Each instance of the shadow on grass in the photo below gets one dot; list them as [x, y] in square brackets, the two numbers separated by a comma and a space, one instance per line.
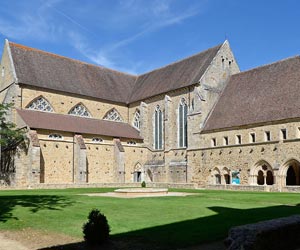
[33, 202]
[190, 232]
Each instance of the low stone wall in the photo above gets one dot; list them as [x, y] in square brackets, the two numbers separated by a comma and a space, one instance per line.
[277, 234]
[239, 187]
[104, 185]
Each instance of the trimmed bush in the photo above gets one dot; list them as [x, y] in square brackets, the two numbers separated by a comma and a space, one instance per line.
[143, 184]
[96, 229]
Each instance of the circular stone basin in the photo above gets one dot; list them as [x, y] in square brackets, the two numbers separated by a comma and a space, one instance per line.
[142, 191]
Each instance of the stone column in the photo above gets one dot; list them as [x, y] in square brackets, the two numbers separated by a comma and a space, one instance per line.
[119, 159]
[144, 129]
[80, 160]
[34, 158]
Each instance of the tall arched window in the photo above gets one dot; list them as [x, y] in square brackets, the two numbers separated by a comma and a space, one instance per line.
[158, 128]
[40, 104]
[182, 124]
[136, 119]
[79, 110]
[113, 115]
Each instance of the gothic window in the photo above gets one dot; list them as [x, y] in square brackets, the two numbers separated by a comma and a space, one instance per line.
[113, 115]
[136, 119]
[40, 104]
[158, 128]
[55, 136]
[182, 124]
[79, 110]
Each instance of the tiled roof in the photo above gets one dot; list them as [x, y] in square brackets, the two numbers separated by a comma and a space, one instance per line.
[264, 94]
[42, 69]
[173, 76]
[75, 124]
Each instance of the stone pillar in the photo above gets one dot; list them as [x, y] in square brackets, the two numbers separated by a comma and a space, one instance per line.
[144, 129]
[119, 159]
[35, 158]
[80, 160]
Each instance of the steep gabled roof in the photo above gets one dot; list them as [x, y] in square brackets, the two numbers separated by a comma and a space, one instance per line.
[264, 94]
[174, 76]
[76, 124]
[46, 70]
[42, 69]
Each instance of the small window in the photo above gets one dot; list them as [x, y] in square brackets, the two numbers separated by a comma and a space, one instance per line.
[3, 72]
[283, 134]
[268, 136]
[131, 143]
[213, 142]
[252, 137]
[298, 132]
[225, 140]
[238, 139]
[97, 140]
[55, 136]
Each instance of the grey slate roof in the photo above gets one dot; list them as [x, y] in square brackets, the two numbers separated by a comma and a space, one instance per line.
[42, 69]
[75, 124]
[264, 94]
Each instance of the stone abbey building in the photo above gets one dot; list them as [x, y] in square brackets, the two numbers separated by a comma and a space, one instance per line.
[199, 120]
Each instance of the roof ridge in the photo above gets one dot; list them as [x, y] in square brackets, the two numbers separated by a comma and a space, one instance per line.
[65, 57]
[266, 65]
[180, 60]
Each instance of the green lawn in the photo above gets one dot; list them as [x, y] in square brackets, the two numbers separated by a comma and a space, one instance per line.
[164, 221]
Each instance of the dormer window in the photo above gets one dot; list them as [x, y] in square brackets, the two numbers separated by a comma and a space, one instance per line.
[55, 137]
[97, 140]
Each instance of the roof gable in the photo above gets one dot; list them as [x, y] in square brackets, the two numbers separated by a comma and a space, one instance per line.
[264, 94]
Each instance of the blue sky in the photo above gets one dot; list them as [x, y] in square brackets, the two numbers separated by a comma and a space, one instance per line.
[137, 36]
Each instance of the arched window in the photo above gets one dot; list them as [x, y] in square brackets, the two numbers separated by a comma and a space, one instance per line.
[182, 124]
[79, 110]
[40, 104]
[113, 115]
[158, 128]
[136, 119]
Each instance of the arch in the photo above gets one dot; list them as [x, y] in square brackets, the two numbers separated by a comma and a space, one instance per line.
[260, 178]
[182, 123]
[262, 173]
[216, 176]
[79, 110]
[138, 173]
[113, 115]
[226, 174]
[270, 178]
[137, 119]
[40, 103]
[257, 166]
[290, 172]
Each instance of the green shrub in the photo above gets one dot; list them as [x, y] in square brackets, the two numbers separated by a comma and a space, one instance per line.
[96, 229]
[143, 184]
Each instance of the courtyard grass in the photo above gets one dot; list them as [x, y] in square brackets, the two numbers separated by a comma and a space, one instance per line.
[163, 221]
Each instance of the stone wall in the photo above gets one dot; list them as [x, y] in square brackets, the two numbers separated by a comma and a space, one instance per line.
[62, 103]
[248, 158]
